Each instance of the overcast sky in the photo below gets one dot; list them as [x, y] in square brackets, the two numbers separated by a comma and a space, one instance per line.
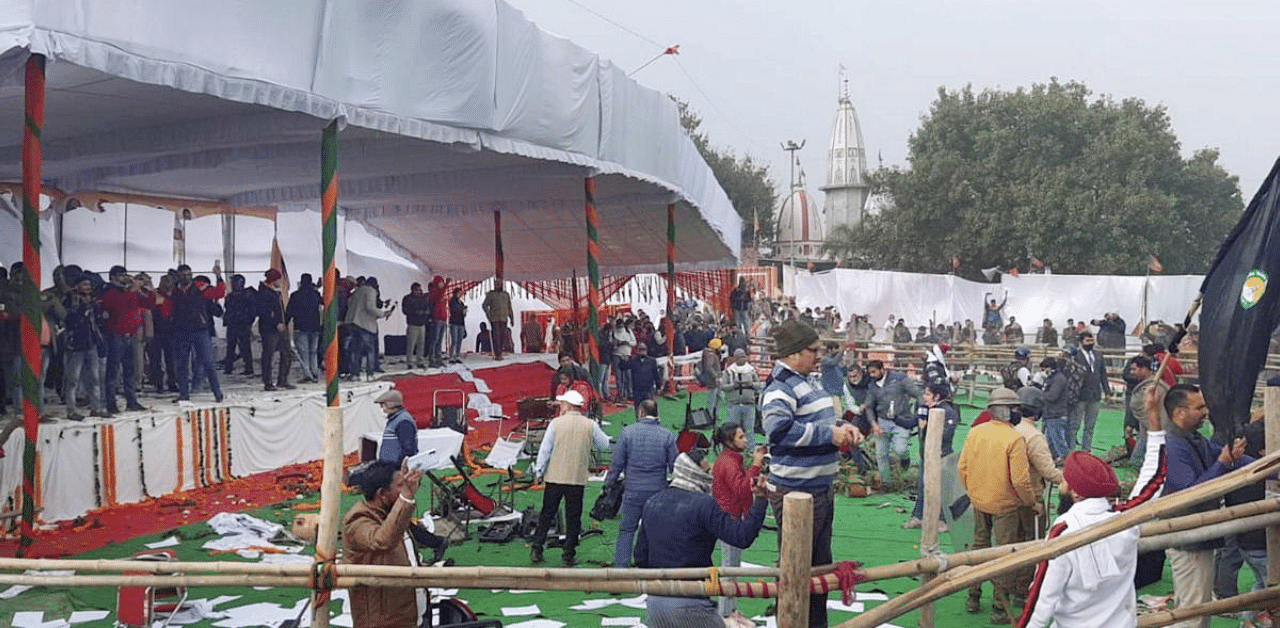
[760, 72]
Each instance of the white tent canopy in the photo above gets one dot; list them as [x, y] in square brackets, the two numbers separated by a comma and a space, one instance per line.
[454, 109]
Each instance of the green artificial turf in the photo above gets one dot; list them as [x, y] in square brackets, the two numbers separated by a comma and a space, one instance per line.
[867, 530]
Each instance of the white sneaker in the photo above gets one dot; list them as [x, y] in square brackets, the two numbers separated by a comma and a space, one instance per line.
[911, 524]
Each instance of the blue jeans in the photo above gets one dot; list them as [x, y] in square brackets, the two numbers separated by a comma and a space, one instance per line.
[1227, 562]
[603, 385]
[745, 415]
[1084, 413]
[120, 365]
[80, 367]
[433, 345]
[895, 435]
[730, 556]
[308, 345]
[632, 505]
[1055, 431]
[1139, 446]
[456, 334]
[189, 343]
[624, 376]
[364, 351]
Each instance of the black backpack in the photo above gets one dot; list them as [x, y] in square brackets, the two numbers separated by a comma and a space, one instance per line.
[1009, 376]
[608, 503]
[1074, 372]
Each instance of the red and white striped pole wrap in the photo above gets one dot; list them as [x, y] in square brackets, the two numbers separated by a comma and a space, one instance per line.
[32, 317]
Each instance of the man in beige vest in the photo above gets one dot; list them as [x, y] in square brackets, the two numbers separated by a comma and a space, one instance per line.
[562, 462]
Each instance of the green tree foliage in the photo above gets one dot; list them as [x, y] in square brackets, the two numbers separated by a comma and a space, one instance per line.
[746, 181]
[1086, 185]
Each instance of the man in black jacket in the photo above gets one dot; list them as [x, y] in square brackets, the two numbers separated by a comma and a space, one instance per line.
[271, 327]
[646, 376]
[237, 319]
[303, 313]
[1092, 389]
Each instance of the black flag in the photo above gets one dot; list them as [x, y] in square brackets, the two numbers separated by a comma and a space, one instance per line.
[1241, 309]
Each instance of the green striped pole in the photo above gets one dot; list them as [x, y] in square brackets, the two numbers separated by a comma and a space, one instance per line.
[32, 318]
[670, 328]
[324, 570]
[593, 278]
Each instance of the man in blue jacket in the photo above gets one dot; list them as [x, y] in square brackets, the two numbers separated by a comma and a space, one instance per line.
[644, 454]
[1193, 460]
[680, 528]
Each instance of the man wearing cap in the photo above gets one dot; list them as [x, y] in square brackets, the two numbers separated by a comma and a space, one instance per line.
[122, 303]
[400, 436]
[644, 454]
[804, 439]
[741, 385]
[562, 462]
[1093, 585]
[996, 474]
[269, 306]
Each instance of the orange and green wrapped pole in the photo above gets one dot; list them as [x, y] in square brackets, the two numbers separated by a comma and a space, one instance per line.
[499, 260]
[593, 278]
[329, 243]
[32, 317]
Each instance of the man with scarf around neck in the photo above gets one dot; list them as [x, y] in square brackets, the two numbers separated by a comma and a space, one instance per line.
[680, 527]
[804, 440]
[1093, 585]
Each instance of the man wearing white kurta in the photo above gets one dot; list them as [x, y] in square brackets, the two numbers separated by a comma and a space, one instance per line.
[1093, 585]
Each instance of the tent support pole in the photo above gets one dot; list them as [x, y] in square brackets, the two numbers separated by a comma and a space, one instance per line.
[499, 259]
[229, 240]
[324, 571]
[669, 326]
[1271, 406]
[593, 277]
[29, 279]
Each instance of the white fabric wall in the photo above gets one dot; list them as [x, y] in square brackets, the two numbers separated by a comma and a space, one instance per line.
[946, 298]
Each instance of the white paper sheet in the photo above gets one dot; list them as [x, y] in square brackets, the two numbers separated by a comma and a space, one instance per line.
[620, 621]
[83, 616]
[28, 619]
[518, 611]
[537, 623]
[837, 605]
[169, 542]
[13, 591]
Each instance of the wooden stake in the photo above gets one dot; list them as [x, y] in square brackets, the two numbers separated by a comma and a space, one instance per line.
[793, 564]
[932, 463]
[953, 581]
[1271, 406]
[330, 508]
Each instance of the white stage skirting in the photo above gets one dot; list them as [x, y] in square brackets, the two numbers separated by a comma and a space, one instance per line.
[100, 462]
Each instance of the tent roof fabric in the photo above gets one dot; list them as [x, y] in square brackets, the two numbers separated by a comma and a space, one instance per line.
[453, 109]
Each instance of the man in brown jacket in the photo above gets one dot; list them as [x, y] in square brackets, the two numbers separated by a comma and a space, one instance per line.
[376, 532]
[996, 473]
[563, 458]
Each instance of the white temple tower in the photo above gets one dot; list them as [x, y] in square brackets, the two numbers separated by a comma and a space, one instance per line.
[800, 233]
[845, 194]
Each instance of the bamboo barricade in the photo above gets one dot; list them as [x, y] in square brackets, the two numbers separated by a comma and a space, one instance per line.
[1215, 531]
[957, 580]
[1254, 600]
[1271, 406]
[932, 499]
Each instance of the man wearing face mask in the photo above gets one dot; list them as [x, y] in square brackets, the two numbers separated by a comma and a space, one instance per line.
[189, 310]
[238, 319]
[122, 304]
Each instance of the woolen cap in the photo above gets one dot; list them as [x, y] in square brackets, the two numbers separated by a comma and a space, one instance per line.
[273, 275]
[1003, 397]
[392, 397]
[792, 336]
[1089, 476]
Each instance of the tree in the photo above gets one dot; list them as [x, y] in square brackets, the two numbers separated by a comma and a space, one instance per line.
[745, 181]
[1086, 185]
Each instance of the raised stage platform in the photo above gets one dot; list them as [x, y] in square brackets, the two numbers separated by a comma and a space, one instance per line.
[83, 465]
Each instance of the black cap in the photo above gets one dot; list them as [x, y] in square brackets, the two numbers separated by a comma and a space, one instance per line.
[117, 270]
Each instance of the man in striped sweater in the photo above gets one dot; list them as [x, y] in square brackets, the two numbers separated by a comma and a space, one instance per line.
[804, 439]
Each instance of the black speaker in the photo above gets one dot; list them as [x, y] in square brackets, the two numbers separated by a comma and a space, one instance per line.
[393, 345]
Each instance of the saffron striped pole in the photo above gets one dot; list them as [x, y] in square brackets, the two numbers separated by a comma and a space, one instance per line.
[324, 569]
[32, 318]
[670, 327]
[593, 278]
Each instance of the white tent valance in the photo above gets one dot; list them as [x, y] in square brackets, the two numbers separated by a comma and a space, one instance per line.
[454, 108]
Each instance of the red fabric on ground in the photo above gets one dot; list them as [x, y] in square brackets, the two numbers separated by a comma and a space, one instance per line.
[420, 395]
[100, 527]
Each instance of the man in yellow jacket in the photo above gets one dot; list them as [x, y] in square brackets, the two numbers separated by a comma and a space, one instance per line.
[997, 476]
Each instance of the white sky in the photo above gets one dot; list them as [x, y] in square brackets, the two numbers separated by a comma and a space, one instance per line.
[760, 72]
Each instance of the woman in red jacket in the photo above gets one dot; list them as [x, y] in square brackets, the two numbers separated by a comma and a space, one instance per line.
[731, 488]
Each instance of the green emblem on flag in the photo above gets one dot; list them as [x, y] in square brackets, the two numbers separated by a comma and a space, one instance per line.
[1255, 285]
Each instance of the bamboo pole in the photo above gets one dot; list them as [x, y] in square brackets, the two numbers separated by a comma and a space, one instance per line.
[330, 484]
[1215, 531]
[793, 563]
[932, 499]
[1271, 406]
[1264, 598]
[954, 581]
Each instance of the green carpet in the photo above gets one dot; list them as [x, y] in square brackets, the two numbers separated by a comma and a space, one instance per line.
[866, 529]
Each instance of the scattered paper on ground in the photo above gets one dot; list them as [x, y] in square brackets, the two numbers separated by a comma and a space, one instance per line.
[517, 611]
[837, 605]
[537, 623]
[620, 621]
[83, 616]
[13, 591]
[169, 542]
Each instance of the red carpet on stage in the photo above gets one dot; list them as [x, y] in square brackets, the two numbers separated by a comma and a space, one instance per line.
[508, 384]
